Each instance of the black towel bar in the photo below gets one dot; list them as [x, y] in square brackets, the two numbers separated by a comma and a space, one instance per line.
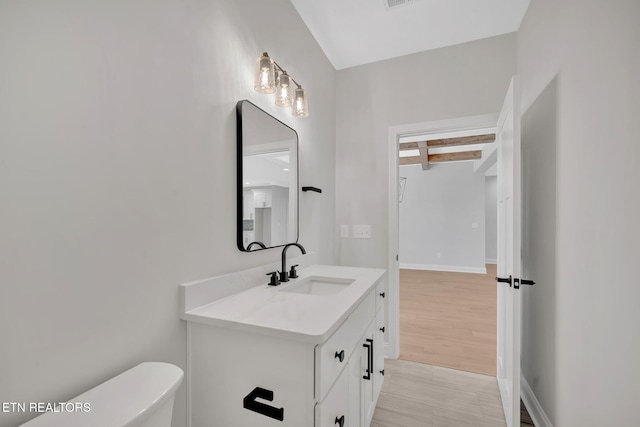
[317, 190]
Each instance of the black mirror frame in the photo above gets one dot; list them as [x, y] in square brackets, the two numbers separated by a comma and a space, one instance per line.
[239, 195]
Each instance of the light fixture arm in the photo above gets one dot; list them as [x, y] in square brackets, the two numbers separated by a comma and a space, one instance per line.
[282, 70]
[270, 83]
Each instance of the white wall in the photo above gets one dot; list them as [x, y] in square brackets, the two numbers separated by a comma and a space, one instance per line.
[592, 50]
[117, 175]
[459, 81]
[539, 243]
[491, 219]
[437, 212]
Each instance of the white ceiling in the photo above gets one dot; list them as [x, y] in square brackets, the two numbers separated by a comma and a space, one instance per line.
[356, 32]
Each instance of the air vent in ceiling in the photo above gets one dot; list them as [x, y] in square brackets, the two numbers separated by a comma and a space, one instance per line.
[390, 4]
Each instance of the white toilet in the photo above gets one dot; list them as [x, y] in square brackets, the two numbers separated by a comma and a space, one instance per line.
[140, 397]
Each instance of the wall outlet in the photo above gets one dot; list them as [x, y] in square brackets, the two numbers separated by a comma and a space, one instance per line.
[361, 231]
[344, 231]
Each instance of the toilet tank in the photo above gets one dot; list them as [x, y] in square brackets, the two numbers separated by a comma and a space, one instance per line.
[140, 397]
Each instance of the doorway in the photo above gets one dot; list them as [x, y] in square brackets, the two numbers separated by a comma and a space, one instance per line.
[446, 232]
[406, 133]
[508, 153]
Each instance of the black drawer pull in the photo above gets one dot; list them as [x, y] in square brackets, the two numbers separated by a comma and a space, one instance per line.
[340, 355]
[369, 346]
[261, 408]
[382, 329]
[382, 294]
[339, 421]
[382, 372]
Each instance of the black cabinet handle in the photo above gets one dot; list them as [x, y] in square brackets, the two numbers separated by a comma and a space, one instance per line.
[371, 356]
[250, 403]
[339, 421]
[382, 294]
[340, 355]
[382, 329]
[369, 346]
[382, 372]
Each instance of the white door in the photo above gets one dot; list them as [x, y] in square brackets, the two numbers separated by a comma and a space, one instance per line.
[509, 218]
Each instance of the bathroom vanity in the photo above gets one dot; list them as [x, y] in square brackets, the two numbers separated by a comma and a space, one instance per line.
[309, 352]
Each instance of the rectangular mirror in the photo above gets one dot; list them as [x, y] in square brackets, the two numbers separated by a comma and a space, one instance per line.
[267, 180]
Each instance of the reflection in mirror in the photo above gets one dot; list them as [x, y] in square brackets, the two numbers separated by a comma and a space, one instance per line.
[267, 180]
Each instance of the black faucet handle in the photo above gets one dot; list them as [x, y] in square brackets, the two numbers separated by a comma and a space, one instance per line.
[274, 278]
[284, 277]
[293, 273]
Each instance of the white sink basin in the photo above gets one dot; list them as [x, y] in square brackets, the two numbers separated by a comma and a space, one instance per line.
[316, 285]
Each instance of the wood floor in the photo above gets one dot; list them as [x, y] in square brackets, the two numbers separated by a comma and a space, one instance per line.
[449, 319]
[418, 395]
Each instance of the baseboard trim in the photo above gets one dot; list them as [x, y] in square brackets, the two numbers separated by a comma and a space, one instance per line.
[491, 261]
[389, 352]
[538, 416]
[450, 268]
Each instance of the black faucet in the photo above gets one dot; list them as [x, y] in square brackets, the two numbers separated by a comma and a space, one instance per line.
[284, 276]
[256, 243]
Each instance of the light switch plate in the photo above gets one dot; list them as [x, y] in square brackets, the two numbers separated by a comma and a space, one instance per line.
[361, 231]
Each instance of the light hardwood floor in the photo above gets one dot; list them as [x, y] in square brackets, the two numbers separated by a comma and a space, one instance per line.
[418, 395]
[449, 319]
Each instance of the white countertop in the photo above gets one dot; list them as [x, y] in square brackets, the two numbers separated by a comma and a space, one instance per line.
[268, 310]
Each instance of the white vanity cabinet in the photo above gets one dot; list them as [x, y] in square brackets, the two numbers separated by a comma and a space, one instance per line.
[267, 377]
[359, 374]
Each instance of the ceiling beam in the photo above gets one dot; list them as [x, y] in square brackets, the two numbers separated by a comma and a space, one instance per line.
[409, 145]
[465, 140]
[412, 160]
[424, 155]
[440, 158]
[451, 142]
[452, 157]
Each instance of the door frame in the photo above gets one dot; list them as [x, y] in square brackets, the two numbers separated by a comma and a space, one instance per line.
[488, 121]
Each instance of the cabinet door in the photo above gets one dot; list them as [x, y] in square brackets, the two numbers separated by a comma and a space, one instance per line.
[368, 374]
[355, 370]
[334, 409]
[262, 198]
[378, 355]
[230, 365]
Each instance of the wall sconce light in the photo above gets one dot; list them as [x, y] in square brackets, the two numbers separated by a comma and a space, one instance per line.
[272, 78]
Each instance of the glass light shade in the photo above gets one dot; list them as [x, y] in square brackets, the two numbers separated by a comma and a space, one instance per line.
[265, 80]
[284, 91]
[300, 106]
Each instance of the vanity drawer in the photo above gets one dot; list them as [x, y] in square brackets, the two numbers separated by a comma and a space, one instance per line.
[332, 356]
[334, 410]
